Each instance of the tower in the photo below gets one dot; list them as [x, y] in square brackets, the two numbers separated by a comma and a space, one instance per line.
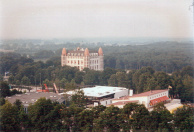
[101, 59]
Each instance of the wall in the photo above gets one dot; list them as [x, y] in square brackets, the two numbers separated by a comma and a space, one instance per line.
[121, 93]
[106, 102]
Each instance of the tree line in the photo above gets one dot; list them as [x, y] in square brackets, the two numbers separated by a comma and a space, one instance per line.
[24, 71]
[45, 115]
[162, 56]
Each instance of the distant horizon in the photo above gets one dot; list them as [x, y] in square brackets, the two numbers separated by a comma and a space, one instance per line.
[109, 38]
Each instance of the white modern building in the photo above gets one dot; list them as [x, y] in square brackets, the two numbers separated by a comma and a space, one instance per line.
[103, 95]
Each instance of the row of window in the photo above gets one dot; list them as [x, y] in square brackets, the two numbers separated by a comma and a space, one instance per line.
[75, 54]
[75, 62]
[158, 95]
[93, 54]
[94, 62]
[75, 57]
[94, 67]
[81, 54]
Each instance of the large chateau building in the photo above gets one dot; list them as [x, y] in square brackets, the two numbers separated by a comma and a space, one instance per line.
[83, 58]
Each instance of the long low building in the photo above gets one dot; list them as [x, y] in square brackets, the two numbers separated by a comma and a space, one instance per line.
[103, 95]
[148, 99]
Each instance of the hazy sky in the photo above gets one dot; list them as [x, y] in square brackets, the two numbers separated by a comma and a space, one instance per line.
[95, 18]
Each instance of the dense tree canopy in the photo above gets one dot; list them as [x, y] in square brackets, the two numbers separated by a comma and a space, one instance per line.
[46, 115]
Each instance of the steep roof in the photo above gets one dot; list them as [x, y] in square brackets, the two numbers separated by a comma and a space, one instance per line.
[86, 53]
[100, 52]
[64, 52]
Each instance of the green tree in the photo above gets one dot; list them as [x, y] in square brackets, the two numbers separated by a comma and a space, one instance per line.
[105, 75]
[97, 110]
[78, 98]
[122, 79]
[183, 118]
[39, 114]
[79, 77]
[164, 116]
[163, 80]
[86, 120]
[63, 82]
[25, 81]
[159, 107]
[113, 80]
[11, 79]
[74, 112]
[188, 70]
[109, 120]
[9, 118]
[91, 77]
[4, 89]
[140, 115]
[2, 101]
[154, 121]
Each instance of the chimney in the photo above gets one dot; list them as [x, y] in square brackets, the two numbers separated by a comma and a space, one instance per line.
[131, 92]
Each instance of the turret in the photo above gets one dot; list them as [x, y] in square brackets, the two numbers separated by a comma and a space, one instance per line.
[100, 52]
[64, 52]
[86, 52]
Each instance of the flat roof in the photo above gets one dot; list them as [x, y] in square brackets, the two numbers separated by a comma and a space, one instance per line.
[32, 97]
[99, 91]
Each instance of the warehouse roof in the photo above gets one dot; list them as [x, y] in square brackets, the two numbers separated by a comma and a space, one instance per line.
[99, 91]
[32, 97]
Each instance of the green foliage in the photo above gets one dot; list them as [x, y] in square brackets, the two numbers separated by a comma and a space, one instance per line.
[109, 120]
[2, 101]
[4, 89]
[25, 81]
[43, 54]
[163, 115]
[78, 99]
[91, 77]
[183, 118]
[39, 114]
[9, 118]
[45, 115]
[169, 57]
[86, 120]
[159, 107]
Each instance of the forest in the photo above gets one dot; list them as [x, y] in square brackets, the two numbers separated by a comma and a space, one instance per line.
[167, 56]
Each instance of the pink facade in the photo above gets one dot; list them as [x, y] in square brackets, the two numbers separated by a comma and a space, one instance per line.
[83, 58]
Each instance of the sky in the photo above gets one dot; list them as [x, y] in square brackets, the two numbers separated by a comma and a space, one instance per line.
[47, 19]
